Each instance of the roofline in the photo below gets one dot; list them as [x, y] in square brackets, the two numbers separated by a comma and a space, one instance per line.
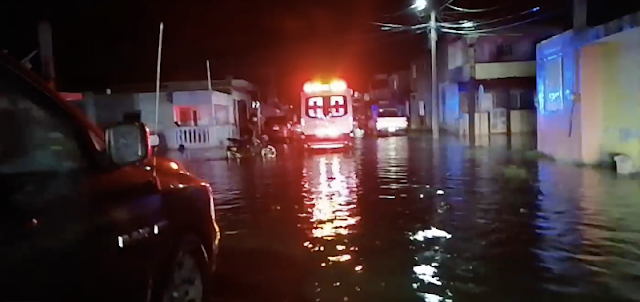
[217, 85]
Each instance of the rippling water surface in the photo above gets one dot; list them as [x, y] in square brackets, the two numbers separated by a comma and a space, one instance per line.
[407, 219]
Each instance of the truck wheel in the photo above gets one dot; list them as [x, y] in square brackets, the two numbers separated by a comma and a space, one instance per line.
[188, 276]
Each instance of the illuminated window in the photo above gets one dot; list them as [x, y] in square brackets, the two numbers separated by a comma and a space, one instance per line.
[553, 98]
[316, 112]
[315, 107]
[333, 106]
[337, 100]
[315, 101]
[338, 107]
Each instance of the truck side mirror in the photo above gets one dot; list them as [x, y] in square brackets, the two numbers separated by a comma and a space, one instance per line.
[127, 143]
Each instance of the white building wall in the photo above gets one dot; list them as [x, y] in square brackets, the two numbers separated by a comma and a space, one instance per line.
[146, 103]
[206, 103]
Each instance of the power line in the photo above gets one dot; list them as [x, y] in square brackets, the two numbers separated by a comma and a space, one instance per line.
[471, 10]
[444, 5]
[487, 30]
[389, 16]
[466, 27]
[469, 23]
[457, 10]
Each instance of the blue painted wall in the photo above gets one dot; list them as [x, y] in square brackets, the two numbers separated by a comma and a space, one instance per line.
[558, 106]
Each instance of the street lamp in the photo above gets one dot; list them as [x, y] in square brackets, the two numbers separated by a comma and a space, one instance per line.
[420, 6]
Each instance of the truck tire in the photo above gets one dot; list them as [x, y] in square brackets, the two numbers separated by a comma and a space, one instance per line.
[188, 275]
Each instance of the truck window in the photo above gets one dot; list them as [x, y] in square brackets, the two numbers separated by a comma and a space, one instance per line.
[33, 137]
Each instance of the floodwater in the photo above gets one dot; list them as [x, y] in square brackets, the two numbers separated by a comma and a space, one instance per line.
[410, 219]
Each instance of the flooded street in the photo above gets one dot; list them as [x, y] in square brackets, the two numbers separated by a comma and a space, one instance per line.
[407, 219]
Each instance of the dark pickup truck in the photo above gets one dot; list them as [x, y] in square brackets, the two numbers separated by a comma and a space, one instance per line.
[90, 215]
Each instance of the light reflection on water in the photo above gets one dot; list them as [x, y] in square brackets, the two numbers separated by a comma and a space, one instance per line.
[333, 215]
[430, 288]
[330, 206]
[370, 226]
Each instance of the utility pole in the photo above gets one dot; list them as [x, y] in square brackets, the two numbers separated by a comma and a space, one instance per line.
[46, 53]
[579, 14]
[435, 112]
[473, 90]
[213, 110]
[420, 6]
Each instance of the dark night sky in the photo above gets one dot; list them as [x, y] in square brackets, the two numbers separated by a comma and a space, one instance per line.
[102, 43]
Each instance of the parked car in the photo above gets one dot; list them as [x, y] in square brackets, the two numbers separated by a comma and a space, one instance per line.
[89, 215]
[278, 129]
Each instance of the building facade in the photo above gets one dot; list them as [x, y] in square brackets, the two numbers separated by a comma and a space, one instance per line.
[189, 114]
[391, 91]
[497, 73]
[588, 93]
[420, 79]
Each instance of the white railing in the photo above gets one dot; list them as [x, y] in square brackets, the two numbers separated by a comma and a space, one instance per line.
[198, 137]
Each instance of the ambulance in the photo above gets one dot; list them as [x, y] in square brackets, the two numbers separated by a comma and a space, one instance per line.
[326, 115]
